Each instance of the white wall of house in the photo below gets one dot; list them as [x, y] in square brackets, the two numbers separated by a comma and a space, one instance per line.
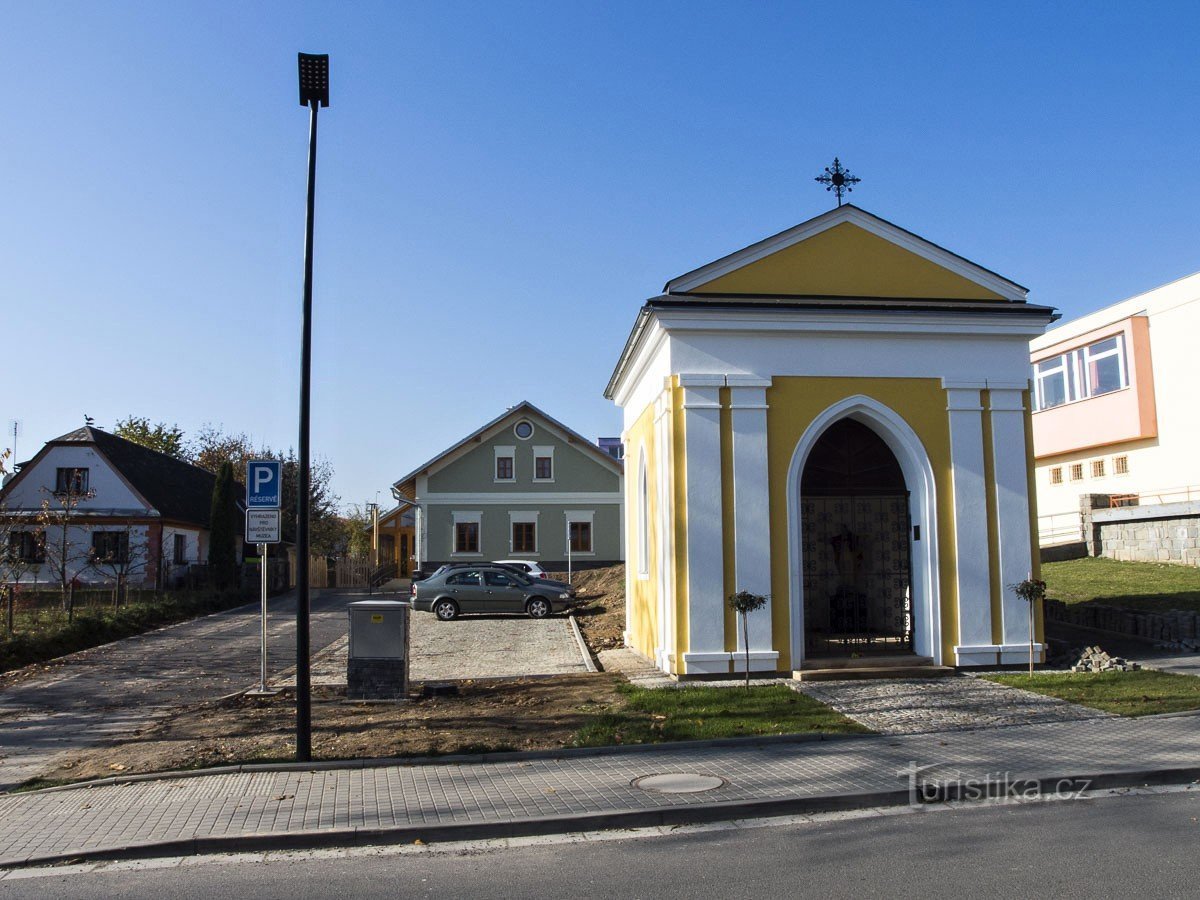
[37, 484]
[79, 568]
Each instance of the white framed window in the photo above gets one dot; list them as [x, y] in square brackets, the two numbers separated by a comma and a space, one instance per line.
[1077, 471]
[1097, 468]
[643, 518]
[465, 534]
[579, 532]
[505, 468]
[523, 532]
[1092, 371]
[1102, 366]
[543, 464]
[1053, 381]
[1120, 465]
[1056, 475]
[523, 429]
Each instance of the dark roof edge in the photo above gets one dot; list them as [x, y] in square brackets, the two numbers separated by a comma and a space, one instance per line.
[849, 304]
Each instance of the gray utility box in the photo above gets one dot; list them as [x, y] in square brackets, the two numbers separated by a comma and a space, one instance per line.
[377, 666]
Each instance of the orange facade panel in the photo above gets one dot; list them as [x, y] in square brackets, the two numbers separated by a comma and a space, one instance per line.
[1123, 415]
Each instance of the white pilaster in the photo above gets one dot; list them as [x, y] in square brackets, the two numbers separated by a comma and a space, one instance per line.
[1012, 507]
[705, 566]
[970, 524]
[664, 529]
[751, 514]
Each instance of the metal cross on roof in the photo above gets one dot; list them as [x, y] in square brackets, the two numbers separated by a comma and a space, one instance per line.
[838, 179]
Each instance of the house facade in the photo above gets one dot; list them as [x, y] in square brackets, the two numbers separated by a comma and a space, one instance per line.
[524, 486]
[1114, 406]
[835, 418]
[100, 508]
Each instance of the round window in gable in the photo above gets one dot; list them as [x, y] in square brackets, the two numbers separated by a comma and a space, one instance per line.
[523, 430]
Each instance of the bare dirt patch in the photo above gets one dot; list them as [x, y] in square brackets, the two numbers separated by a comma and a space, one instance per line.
[602, 621]
[528, 714]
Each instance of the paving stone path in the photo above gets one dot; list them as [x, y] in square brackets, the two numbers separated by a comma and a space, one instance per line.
[920, 705]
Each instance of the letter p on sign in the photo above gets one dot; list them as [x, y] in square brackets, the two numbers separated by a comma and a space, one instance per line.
[263, 480]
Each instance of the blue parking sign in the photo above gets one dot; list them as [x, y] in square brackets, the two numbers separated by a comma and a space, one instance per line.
[264, 480]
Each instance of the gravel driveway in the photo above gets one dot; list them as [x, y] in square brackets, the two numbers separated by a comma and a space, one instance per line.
[473, 647]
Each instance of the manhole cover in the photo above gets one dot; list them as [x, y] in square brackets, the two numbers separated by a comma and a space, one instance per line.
[679, 783]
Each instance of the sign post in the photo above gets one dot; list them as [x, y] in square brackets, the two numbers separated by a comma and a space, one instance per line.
[263, 489]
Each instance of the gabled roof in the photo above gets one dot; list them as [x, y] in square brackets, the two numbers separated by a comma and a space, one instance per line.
[846, 251]
[178, 490]
[521, 409]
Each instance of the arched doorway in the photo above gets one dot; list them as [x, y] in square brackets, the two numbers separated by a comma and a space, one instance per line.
[855, 524]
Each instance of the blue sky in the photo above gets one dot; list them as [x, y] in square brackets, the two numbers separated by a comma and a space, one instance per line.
[501, 184]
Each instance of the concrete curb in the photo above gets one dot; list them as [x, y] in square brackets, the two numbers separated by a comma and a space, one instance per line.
[583, 647]
[457, 759]
[597, 821]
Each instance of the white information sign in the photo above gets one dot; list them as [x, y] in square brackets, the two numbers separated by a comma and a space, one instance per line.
[262, 526]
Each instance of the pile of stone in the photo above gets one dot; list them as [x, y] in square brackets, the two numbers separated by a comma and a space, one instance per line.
[1093, 659]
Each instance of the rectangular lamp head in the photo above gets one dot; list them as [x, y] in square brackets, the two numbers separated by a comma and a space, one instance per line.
[314, 78]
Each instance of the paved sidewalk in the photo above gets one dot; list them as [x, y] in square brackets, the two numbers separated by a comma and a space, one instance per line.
[567, 792]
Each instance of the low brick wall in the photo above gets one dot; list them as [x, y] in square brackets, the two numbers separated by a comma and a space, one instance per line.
[1174, 625]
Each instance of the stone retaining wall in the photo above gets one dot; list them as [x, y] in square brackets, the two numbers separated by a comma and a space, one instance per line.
[1153, 540]
[1173, 626]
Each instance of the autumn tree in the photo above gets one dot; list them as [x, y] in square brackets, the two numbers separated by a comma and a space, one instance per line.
[357, 523]
[160, 436]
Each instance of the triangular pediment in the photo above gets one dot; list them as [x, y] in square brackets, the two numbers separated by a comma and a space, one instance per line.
[848, 253]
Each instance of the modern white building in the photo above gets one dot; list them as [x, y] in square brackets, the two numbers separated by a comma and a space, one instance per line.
[1115, 406]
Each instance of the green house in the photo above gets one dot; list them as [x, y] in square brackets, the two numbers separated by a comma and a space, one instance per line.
[524, 486]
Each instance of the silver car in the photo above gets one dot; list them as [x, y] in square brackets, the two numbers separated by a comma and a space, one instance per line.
[452, 591]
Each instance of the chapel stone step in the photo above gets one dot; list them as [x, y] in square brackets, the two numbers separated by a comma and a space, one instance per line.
[849, 673]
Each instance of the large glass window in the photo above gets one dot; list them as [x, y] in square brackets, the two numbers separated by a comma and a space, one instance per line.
[1090, 371]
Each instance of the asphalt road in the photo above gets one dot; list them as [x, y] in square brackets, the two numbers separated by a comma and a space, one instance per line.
[115, 689]
[1130, 846]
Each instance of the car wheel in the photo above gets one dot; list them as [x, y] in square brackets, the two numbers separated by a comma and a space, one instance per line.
[537, 608]
[446, 610]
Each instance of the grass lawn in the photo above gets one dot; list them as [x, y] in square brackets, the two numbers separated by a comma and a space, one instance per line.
[698, 713]
[1149, 587]
[1139, 693]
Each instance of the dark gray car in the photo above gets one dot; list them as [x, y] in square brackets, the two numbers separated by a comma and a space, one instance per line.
[451, 592]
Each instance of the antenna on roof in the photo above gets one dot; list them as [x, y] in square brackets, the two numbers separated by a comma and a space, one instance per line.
[14, 426]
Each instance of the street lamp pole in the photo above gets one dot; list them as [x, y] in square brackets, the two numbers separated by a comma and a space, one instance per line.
[314, 93]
